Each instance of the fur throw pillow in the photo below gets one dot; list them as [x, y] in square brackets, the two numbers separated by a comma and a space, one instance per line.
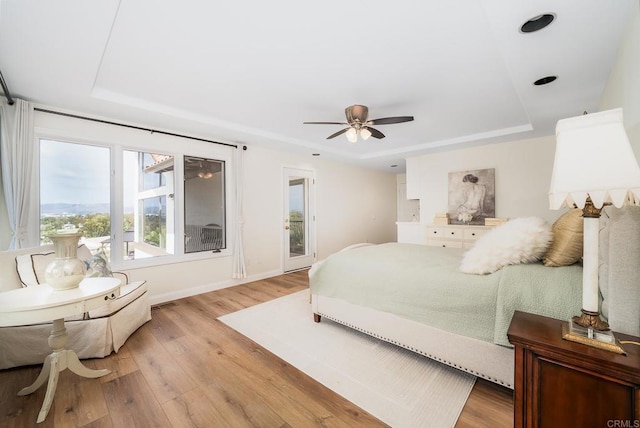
[521, 240]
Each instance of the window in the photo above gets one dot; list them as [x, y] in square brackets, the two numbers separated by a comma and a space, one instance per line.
[204, 214]
[75, 189]
[154, 217]
[148, 205]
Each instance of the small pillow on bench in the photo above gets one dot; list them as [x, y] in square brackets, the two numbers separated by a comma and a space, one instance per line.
[31, 267]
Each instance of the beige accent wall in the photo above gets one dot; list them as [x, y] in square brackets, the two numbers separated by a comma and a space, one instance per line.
[522, 177]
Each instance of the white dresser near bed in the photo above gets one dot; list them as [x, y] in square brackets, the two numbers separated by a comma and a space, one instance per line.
[454, 235]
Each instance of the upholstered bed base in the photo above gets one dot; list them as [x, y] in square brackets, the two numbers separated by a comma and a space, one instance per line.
[620, 288]
[480, 358]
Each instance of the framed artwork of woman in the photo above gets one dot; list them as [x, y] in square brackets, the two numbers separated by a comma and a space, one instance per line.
[472, 196]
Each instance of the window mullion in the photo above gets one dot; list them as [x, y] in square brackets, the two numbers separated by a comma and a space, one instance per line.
[117, 185]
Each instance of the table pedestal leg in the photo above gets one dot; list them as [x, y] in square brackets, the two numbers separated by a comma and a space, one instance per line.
[60, 359]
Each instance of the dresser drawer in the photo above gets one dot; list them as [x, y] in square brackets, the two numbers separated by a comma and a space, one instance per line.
[444, 243]
[473, 234]
[444, 232]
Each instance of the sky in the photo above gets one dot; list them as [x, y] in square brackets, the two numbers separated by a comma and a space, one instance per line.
[296, 196]
[79, 174]
[73, 173]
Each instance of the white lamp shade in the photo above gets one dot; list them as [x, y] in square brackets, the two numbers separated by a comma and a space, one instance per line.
[352, 135]
[365, 133]
[594, 159]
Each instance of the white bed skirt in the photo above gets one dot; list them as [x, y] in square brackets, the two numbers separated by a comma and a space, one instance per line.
[483, 359]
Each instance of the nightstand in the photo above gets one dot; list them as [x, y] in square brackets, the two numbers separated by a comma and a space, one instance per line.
[559, 383]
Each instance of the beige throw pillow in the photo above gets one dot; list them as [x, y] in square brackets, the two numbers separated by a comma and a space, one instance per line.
[566, 247]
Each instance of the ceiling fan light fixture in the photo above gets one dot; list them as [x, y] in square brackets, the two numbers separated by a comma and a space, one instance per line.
[352, 135]
[365, 133]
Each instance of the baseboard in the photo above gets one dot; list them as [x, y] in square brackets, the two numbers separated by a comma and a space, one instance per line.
[200, 289]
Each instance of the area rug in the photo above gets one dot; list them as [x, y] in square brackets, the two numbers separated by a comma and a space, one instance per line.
[397, 386]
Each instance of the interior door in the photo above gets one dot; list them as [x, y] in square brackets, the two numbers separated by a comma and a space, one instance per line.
[299, 219]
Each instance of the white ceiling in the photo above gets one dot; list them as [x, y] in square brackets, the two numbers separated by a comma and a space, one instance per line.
[250, 71]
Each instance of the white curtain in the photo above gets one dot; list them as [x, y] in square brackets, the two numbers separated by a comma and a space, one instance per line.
[239, 269]
[17, 158]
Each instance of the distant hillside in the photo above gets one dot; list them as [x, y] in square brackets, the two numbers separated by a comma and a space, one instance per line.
[59, 209]
[73, 209]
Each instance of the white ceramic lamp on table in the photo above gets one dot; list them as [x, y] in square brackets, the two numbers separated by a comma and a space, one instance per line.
[594, 166]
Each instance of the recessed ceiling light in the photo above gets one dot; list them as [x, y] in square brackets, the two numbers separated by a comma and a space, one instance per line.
[545, 80]
[537, 23]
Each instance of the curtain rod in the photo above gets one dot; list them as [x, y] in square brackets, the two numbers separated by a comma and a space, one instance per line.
[5, 89]
[139, 128]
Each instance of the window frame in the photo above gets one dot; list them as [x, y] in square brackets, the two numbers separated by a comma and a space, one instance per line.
[134, 140]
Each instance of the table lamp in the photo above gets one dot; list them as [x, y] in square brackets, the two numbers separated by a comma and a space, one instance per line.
[594, 166]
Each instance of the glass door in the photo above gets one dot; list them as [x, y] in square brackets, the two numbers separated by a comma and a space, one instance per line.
[298, 224]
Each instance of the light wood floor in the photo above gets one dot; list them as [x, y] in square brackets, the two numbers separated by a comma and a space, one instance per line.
[187, 369]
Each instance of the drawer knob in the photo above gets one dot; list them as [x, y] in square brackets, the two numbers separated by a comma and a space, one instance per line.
[444, 246]
[453, 233]
[473, 234]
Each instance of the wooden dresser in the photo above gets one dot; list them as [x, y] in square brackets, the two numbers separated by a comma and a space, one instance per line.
[559, 383]
[454, 235]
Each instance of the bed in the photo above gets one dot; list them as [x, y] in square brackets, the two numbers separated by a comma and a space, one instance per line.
[415, 296]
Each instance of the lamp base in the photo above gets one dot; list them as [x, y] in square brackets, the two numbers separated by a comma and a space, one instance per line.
[591, 319]
[591, 337]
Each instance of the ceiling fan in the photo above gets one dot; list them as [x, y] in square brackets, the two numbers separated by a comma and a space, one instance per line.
[358, 124]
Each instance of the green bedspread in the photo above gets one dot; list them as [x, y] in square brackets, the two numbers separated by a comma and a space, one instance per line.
[424, 284]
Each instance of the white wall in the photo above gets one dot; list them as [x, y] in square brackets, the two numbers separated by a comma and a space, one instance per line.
[623, 87]
[353, 205]
[522, 174]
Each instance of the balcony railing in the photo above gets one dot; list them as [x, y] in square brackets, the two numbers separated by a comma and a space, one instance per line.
[296, 238]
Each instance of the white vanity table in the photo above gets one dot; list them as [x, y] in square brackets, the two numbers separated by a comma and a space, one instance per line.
[36, 304]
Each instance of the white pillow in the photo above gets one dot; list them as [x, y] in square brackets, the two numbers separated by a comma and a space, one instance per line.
[521, 240]
[24, 266]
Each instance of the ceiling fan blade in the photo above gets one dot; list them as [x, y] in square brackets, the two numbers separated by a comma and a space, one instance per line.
[390, 120]
[342, 131]
[375, 133]
[324, 123]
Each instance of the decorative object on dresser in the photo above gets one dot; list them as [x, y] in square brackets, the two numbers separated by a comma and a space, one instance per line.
[558, 384]
[454, 236]
[472, 196]
[594, 166]
[441, 219]
[495, 221]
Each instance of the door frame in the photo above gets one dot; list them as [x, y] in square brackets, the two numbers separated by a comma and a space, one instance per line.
[310, 213]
